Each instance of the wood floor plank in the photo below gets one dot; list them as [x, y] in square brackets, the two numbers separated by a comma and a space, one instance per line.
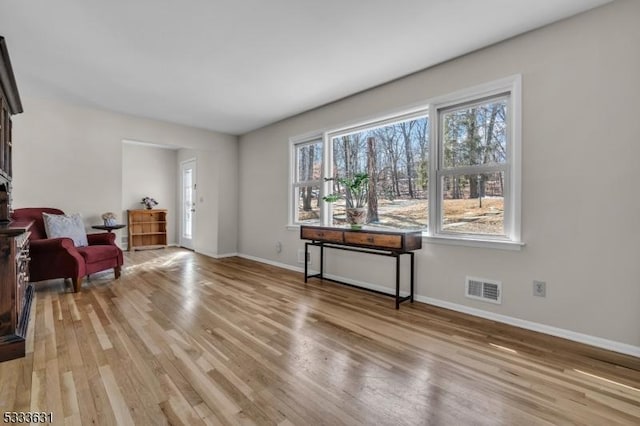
[75, 363]
[119, 406]
[71, 408]
[176, 408]
[186, 339]
[8, 390]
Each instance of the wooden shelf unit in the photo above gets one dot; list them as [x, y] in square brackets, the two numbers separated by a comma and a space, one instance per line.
[147, 229]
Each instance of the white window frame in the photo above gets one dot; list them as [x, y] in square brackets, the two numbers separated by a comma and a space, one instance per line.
[512, 87]
[326, 215]
[294, 144]
[509, 86]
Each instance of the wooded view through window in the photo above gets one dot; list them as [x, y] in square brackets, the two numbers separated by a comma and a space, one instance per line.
[308, 181]
[473, 167]
[396, 158]
[459, 178]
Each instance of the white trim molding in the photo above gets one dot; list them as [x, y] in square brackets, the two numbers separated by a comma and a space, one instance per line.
[587, 339]
[215, 256]
[294, 142]
[273, 263]
[225, 255]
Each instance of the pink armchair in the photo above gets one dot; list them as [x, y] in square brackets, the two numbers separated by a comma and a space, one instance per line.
[58, 258]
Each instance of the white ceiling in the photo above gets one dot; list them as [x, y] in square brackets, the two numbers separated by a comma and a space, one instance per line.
[236, 65]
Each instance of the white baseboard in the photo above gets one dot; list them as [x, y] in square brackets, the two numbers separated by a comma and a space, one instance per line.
[534, 326]
[375, 287]
[273, 263]
[216, 256]
[598, 342]
[363, 284]
[223, 255]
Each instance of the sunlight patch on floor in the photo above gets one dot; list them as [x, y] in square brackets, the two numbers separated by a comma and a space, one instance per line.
[503, 348]
[166, 260]
[613, 382]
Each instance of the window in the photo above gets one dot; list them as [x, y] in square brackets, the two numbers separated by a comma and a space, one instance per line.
[307, 181]
[395, 155]
[472, 167]
[450, 168]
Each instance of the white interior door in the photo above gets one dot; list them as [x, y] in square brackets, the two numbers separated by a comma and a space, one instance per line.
[188, 205]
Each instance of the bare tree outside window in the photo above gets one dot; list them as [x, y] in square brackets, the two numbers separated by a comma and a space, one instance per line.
[474, 139]
[450, 168]
[307, 181]
[395, 156]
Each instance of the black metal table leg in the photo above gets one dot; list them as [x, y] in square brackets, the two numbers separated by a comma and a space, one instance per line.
[397, 281]
[412, 275]
[321, 261]
[398, 299]
[306, 267]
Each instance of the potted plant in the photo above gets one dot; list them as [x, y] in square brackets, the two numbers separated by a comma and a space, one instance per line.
[356, 187]
[148, 202]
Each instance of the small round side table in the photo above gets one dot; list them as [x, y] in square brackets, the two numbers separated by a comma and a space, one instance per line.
[109, 228]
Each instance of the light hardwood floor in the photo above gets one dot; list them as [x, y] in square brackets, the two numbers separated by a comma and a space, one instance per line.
[185, 339]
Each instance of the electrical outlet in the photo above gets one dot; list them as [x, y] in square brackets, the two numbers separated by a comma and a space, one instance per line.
[301, 256]
[540, 288]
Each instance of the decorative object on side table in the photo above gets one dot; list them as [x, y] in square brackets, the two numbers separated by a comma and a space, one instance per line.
[110, 219]
[356, 187]
[149, 202]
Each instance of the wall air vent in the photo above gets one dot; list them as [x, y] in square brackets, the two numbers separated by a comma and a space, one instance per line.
[483, 289]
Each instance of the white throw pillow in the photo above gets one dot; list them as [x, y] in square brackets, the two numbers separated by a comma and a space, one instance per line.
[71, 226]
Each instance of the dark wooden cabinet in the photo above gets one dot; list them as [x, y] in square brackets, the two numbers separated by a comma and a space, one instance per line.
[15, 291]
[9, 104]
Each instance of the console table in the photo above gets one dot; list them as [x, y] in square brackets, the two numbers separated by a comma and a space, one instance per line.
[392, 243]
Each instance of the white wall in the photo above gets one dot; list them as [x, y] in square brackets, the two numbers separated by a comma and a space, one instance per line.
[580, 162]
[217, 199]
[149, 171]
[71, 157]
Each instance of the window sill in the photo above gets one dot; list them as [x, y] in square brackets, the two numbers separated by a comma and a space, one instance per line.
[458, 241]
[474, 242]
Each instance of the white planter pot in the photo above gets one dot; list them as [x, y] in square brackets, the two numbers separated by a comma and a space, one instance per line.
[357, 217]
